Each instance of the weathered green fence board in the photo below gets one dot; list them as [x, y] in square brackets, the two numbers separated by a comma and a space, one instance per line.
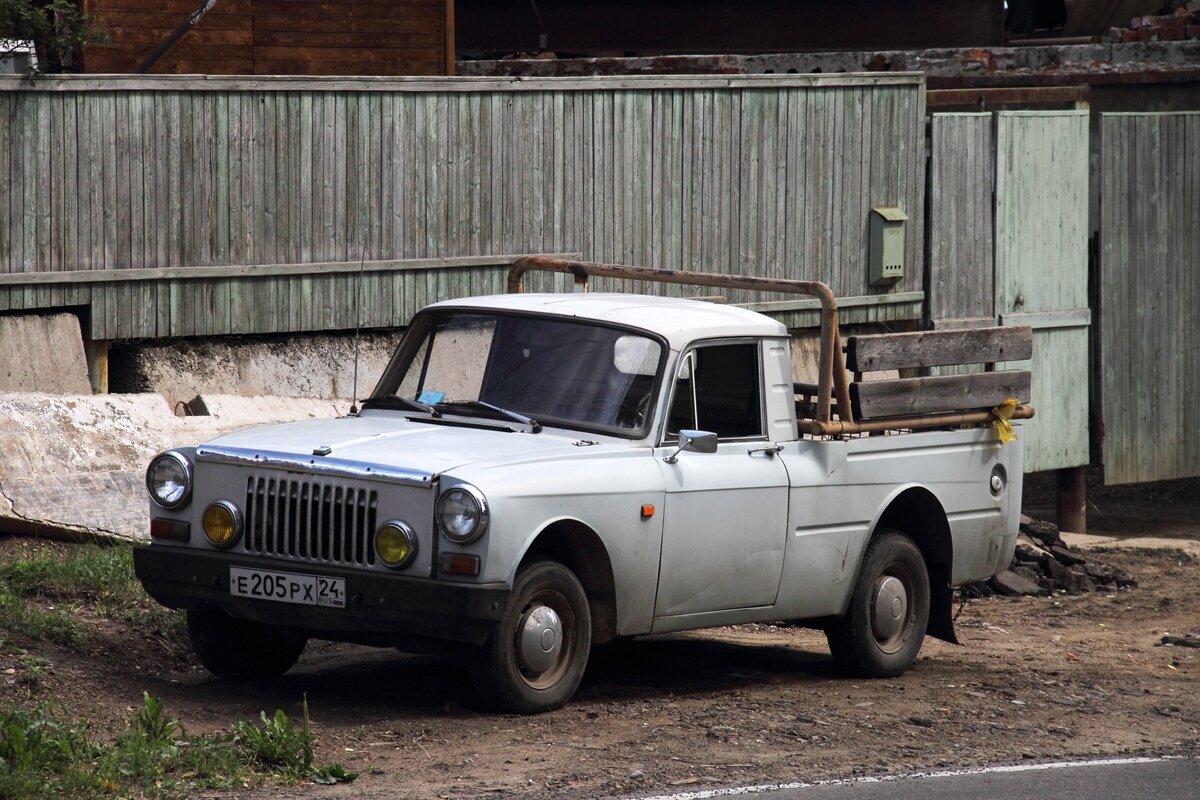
[961, 208]
[6, 171]
[1150, 296]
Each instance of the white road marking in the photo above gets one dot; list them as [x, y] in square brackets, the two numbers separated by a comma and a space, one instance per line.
[736, 791]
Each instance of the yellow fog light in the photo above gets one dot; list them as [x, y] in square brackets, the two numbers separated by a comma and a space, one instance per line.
[222, 523]
[396, 544]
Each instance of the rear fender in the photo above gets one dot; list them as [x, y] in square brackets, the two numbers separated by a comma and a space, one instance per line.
[916, 512]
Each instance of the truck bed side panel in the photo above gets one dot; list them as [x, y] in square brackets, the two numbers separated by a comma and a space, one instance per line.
[841, 489]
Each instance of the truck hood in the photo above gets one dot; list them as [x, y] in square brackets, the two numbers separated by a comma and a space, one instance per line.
[394, 441]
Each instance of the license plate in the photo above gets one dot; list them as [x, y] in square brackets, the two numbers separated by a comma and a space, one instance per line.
[287, 587]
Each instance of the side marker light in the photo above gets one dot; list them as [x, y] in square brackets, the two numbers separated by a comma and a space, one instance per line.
[458, 564]
[174, 529]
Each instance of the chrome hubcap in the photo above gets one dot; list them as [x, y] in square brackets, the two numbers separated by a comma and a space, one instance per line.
[890, 609]
[540, 641]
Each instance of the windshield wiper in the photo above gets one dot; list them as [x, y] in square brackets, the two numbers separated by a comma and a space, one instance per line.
[416, 405]
[534, 425]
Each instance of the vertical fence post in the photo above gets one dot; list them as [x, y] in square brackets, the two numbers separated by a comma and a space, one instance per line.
[96, 351]
[1072, 499]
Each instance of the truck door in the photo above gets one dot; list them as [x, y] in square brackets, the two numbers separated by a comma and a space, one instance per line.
[725, 521]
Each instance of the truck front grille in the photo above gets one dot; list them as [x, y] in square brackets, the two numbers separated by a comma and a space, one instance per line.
[310, 521]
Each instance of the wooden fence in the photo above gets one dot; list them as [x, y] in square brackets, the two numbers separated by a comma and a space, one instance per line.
[1149, 359]
[143, 180]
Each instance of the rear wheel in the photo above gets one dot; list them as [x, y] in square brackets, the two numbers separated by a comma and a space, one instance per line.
[229, 647]
[883, 628]
[535, 658]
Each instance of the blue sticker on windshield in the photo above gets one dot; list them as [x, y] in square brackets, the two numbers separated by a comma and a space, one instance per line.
[431, 398]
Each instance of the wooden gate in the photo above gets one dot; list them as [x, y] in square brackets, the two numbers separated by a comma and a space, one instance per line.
[1008, 243]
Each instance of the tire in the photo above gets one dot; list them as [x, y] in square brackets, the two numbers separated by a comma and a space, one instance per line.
[512, 671]
[229, 647]
[870, 642]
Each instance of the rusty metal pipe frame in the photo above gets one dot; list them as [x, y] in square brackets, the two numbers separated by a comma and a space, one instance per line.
[921, 422]
[832, 364]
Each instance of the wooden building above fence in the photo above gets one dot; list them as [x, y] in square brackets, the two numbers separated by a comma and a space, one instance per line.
[274, 37]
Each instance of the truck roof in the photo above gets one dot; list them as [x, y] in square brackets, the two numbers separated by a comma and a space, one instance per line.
[677, 320]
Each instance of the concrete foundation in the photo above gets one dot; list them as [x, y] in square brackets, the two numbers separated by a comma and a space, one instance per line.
[43, 353]
[316, 366]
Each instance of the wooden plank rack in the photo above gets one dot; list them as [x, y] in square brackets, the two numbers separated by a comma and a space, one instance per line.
[930, 401]
[837, 405]
[941, 393]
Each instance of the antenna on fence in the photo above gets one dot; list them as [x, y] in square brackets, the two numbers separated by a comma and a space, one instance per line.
[362, 262]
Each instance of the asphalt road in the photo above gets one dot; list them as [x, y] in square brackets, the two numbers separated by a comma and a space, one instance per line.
[1108, 779]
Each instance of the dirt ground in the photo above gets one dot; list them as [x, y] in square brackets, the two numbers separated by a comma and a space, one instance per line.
[1034, 679]
[1041, 678]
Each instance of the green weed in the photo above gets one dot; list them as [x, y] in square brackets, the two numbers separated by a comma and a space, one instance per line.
[331, 774]
[151, 725]
[276, 745]
[152, 756]
[40, 757]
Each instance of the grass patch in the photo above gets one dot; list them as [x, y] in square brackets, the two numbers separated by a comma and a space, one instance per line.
[84, 571]
[43, 596]
[152, 756]
[72, 596]
[20, 616]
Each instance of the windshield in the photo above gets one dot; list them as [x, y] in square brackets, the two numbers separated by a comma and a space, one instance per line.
[565, 372]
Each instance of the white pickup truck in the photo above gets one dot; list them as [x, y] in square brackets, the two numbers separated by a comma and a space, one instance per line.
[536, 474]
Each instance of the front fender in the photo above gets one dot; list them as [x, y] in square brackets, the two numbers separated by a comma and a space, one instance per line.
[615, 564]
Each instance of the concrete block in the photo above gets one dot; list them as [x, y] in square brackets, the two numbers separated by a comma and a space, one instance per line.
[74, 464]
[43, 353]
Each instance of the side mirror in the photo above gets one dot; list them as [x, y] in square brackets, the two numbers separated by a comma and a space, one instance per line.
[695, 442]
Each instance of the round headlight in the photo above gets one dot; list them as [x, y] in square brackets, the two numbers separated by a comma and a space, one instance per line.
[396, 544]
[462, 514]
[169, 480]
[222, 523]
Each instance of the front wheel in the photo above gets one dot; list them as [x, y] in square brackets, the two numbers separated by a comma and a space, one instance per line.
[229, 647]
[535, 658]
[883, 628]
